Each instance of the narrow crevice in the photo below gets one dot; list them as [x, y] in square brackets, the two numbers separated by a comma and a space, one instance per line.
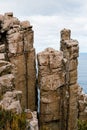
[4, 41]
[68, 90]
[26, 73]
[26, 77]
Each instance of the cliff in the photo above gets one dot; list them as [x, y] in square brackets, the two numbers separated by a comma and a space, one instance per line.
[17, 71]
[16, 45]
[62, 101]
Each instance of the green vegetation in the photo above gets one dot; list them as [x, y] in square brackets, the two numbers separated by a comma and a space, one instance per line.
[82, 125]
[12, 121]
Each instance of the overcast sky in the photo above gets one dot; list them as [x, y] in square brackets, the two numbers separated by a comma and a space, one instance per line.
[48, 17]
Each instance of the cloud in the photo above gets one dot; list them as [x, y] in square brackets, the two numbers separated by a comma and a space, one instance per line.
[43, 7]
[47, 30]
[48, 17]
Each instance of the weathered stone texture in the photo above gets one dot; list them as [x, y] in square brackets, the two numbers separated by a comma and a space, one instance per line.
[16, 46]
[73, 107]
[51, 78]
[70, 48]
[19, 74]
[32, 121]
[82, 102]
[57, 79]
[5, 67]
[31, 79]
[73, 64]
[65, 34]
[17, 67]
[15, 43]
[9, 98]
[11, 101]
[62, 100]
[7, 83]
[2, 56]
[70, 53]
[2, 48]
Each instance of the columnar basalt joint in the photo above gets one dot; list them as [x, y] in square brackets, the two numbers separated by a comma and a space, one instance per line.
[70, 50]
[51, 79]
[17, 38]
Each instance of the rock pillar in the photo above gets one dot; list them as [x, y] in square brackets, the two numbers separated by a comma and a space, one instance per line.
[51, 80]
[22, 55]
[17, 38]
[82, 102]
[70, 53]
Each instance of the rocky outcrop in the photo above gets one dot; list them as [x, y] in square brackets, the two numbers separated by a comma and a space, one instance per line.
[17, 68]
[10, 99]
[62, 101]
[32, 121]
[78, 99]
[82, 102]
[16, 46]
[70, 53]
[58, 85]
[51, 79]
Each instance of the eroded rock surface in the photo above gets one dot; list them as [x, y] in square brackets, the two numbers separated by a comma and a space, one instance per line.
[70, 53]
[51, 79]
[16, 46]
[10, 99]
[62, 102]
[82, 102]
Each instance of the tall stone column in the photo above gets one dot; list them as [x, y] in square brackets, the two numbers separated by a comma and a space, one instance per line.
[70, 53]
[22, 55]
[19, 50]
[51, 80]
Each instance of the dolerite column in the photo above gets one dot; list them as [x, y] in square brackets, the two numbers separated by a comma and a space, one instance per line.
[70, 52]
[51, 79]
[21, 53]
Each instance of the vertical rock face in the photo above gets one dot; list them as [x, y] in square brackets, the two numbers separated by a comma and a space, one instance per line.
[65, 34]
[51, 79]
[70, 53]
[9, 98]
[62, 100]
[58, 85]
[82, 103]
[77, 106]
[16, 46]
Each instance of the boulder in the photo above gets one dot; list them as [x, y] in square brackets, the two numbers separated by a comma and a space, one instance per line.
[11, 101]
[6, 83]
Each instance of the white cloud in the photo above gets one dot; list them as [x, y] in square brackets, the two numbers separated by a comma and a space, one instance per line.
[48, 17]
[47, 30]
